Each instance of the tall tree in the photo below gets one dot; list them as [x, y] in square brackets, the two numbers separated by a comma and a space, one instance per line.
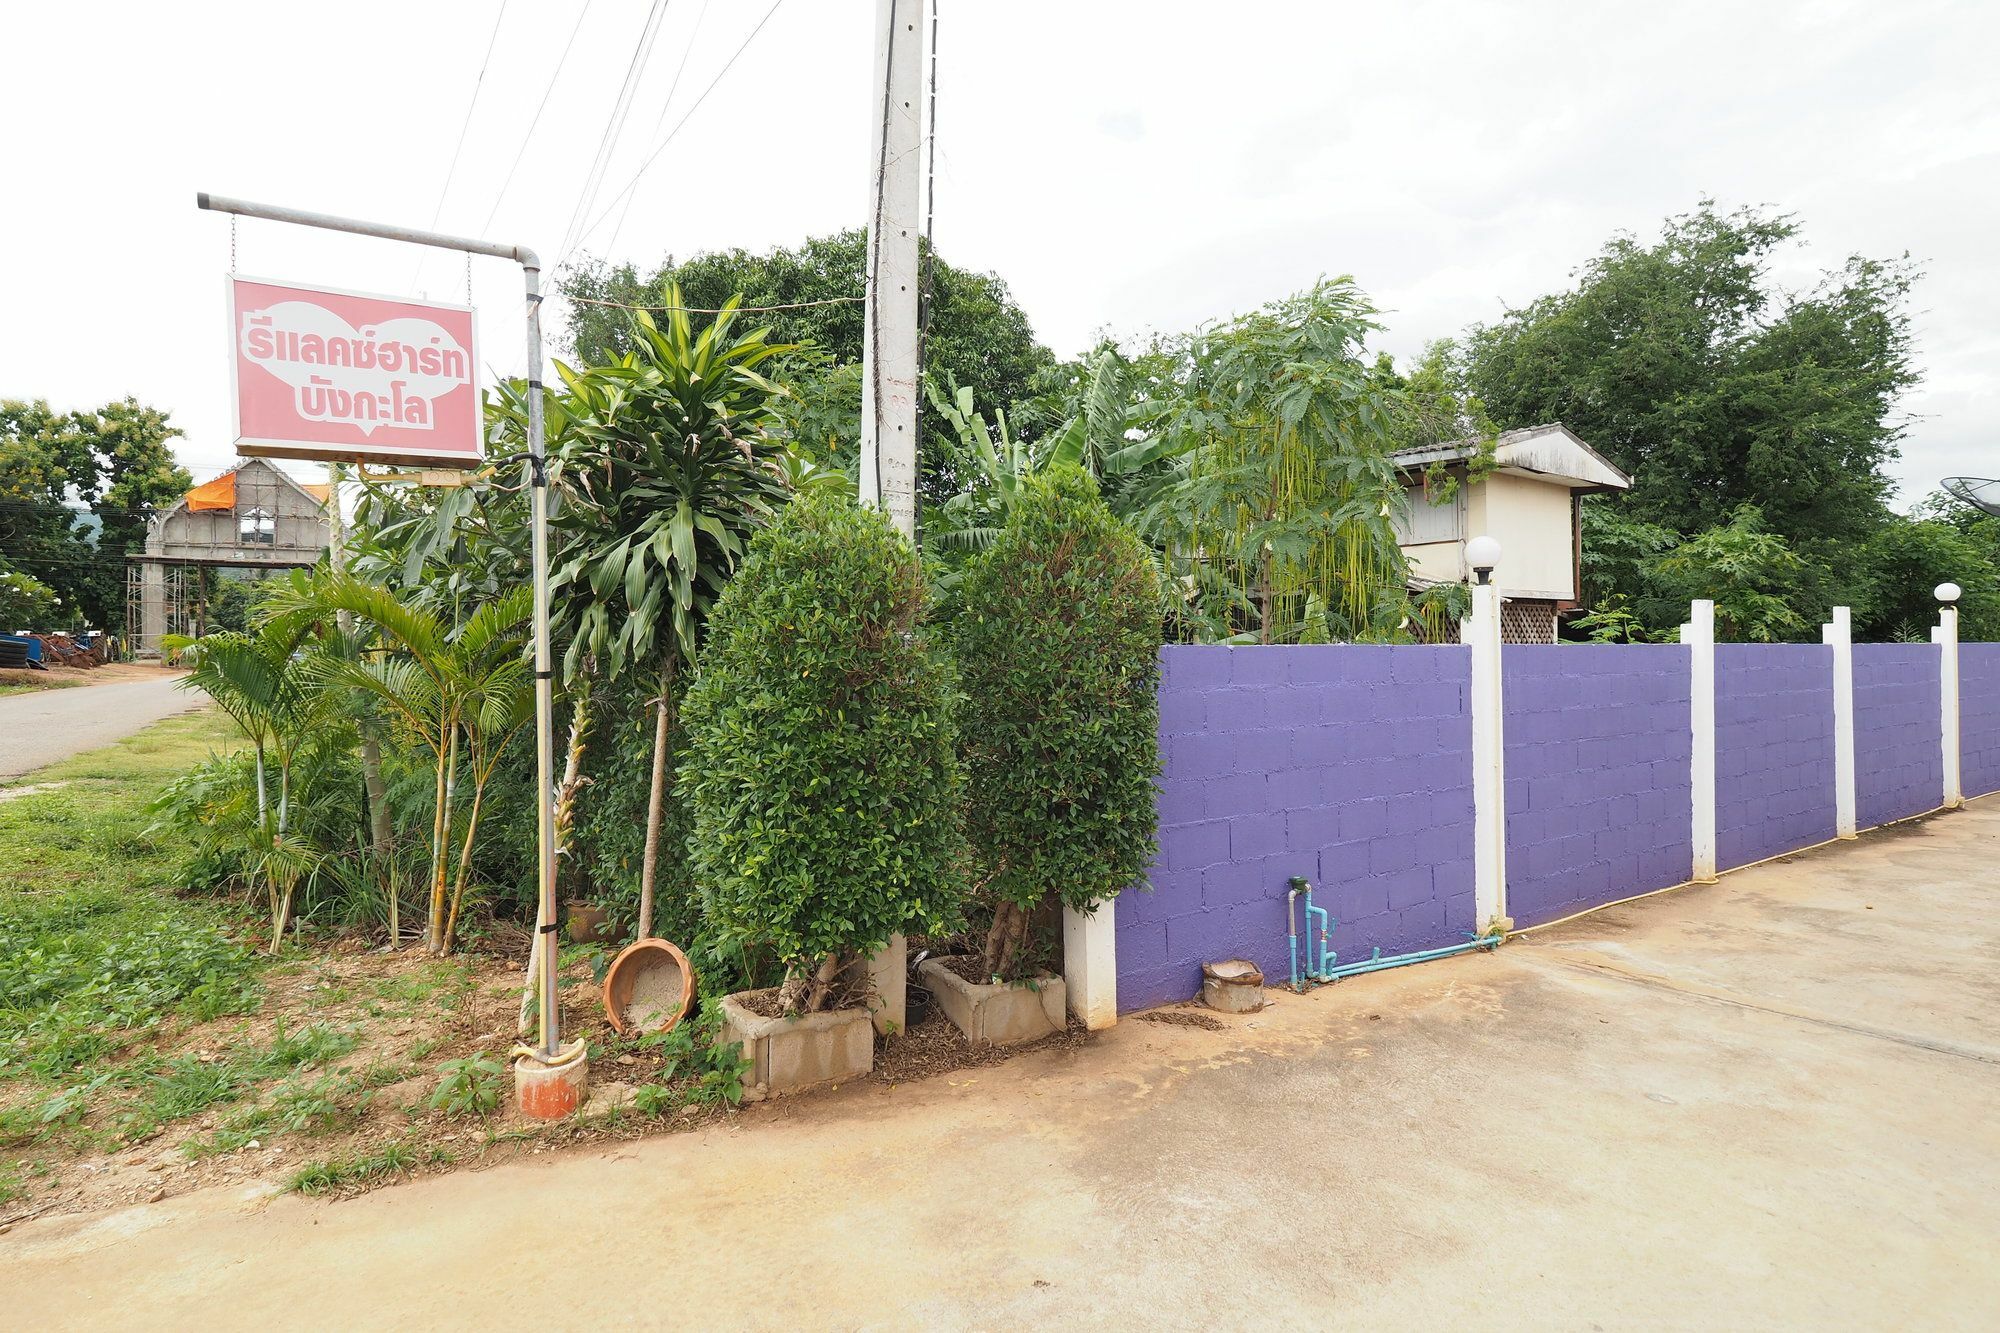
[668, 468]
[76, 492]
[975, 333]
[1684, 363]
[1280, 522]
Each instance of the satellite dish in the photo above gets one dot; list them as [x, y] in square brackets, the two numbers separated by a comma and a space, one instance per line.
[1979, 492]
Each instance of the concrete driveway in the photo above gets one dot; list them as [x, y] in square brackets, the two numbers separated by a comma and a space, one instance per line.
[1769, 1103]
[45, 726]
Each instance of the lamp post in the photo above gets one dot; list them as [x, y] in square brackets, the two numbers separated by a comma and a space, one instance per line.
[1489, 782]
[1946, 638]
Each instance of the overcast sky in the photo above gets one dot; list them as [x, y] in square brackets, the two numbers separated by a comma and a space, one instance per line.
[1124, 166]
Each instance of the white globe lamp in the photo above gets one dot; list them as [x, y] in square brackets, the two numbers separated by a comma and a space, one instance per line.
[1482, 556]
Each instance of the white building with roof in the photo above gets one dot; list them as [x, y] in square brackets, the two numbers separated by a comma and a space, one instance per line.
[1529, 502]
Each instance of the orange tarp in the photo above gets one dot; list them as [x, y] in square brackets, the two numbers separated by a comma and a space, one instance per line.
[217, 494]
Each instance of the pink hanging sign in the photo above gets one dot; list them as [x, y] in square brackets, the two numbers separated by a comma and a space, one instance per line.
[351, 378]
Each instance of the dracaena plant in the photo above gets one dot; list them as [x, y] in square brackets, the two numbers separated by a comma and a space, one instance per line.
[669, 465]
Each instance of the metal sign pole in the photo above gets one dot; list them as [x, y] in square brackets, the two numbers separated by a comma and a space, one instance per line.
[537, 481]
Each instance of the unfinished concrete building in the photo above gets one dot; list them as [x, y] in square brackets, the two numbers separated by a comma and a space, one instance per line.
[255, 517]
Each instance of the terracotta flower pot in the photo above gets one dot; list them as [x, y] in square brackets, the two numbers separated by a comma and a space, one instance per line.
[648, 987]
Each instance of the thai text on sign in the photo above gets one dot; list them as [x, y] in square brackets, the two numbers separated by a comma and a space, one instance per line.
[347, 377]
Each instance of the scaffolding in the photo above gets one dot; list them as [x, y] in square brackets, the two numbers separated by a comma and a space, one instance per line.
[274, 524]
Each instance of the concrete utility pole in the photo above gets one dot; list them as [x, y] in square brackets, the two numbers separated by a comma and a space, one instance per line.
[889, 344]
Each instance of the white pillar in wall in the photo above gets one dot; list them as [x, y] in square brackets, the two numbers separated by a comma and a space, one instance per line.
[1481, 632]
[1699, 635]
[1945, 635]
[1090, 964]
[1840, 637]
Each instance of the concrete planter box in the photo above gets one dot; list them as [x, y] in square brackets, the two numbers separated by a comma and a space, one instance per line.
[996, 1015]
[792, 1054]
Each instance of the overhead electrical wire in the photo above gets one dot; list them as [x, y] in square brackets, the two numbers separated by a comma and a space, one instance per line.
[536, 120]
[672, 88]
[614, 126]
[704, 310]
[464, 129]
[661, 147]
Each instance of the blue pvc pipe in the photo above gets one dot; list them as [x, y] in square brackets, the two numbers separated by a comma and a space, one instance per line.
[1377, 963]
[1317, 963]
[1320, 963]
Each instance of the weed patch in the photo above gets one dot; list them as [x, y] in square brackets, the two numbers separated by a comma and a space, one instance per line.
[341, 1173]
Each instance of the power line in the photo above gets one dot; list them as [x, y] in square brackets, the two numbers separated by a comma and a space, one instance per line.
[463, 130]
[661, 119]
[541, 106]
[662, 146]
[614, 127]
[702, 310]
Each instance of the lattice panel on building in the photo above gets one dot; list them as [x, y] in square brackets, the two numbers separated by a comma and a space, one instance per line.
[1527, 622]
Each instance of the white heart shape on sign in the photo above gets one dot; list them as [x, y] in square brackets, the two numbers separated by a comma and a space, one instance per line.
[385, 374]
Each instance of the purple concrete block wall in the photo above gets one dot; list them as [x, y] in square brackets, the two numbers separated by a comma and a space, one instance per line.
[1350, 765]
[1773, 749]
[1898, 763]
[1598, 787]
[1979, 717]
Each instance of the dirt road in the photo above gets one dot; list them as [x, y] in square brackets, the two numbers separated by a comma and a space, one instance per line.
[47, 725]
[1771, 1102]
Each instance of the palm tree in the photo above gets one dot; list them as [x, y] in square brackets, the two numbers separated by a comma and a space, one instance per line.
[454, 688]
[257, 678]
[669, 465]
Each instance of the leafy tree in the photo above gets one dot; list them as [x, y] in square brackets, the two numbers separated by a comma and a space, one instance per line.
[76, 492]
[821, 764]
[1746, 570]
[1686, 366]
[1056, 631]
[975, 333]
[25, 602]
[1280, 519]
[1902, 565]
[668, 469]
[1619, 550]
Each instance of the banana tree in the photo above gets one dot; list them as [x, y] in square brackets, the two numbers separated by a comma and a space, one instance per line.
[670, 462]
[1106, 424]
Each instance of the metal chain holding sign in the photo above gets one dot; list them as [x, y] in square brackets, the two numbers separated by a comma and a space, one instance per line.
[232, 245]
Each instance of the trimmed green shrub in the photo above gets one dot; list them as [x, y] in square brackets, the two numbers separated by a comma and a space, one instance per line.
[1056, 629]
[821, 765]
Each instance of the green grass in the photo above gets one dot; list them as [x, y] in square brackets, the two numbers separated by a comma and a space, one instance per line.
[95, 950]
[391, 1159]
[24, 682]
[96, 953]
